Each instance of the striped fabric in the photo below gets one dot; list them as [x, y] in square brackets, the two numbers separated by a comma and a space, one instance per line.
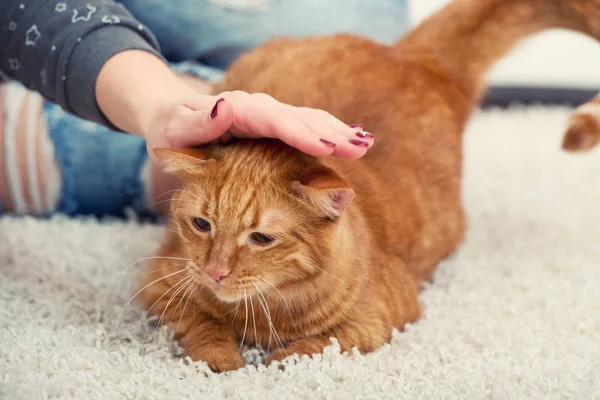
[29, 175]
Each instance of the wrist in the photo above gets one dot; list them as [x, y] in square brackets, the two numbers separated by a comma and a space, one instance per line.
[135, 89]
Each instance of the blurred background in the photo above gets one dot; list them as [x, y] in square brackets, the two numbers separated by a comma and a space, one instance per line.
[552, 67]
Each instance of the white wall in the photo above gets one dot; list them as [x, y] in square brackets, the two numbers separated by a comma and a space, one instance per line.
[554, 58]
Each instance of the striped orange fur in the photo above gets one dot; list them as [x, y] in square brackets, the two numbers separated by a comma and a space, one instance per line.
[352, 238]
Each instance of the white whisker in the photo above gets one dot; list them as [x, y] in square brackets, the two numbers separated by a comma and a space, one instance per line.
[198, 195]
[235, 309]
[183, 282]
[118, 285]
[159, 299]
[191, 290]
[154, 258]
[333, 276]
[266, 314]
[141, 290]
[272, 330]
[246, 323]
[253, 319]
[169, 191]
[152, 205]
[188, 281]
[287, 304]
[149, 271]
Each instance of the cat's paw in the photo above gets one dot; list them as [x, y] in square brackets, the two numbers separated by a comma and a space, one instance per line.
[278, 356]
[219, 360]
[308, 346]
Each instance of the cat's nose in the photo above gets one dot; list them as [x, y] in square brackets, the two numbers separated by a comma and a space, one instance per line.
[218, 273]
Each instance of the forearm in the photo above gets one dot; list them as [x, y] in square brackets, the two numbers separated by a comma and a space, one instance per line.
[134, 88]
[58, 48]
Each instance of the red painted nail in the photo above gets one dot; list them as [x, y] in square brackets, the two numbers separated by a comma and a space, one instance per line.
[327, 143]
[356, 126]
[215, 110]
[364, 134]
[359, 143]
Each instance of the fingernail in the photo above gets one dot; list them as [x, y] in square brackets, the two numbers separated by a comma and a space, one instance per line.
[364, 134]
[327, 143]
[359, 143]
[356, 126]
[215, 110]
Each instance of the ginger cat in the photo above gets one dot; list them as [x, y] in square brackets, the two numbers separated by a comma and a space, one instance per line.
[277, 248]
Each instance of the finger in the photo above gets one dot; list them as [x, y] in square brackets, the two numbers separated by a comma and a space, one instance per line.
[351, 141]
[352, 131]
[198, 127]
[322, 130]
[262, 116]
[290, 130]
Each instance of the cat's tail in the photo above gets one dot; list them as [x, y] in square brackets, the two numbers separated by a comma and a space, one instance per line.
[583, 132]
[464, 39]
[467, 37]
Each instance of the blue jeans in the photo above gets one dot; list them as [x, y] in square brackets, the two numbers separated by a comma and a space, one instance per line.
[101, 168]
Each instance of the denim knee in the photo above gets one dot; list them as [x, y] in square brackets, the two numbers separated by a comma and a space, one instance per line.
[100, 168]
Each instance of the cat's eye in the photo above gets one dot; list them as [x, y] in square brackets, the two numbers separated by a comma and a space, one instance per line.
[201, 224]
[261, 239]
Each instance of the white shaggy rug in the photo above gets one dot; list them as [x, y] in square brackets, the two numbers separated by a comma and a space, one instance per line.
[514, 315]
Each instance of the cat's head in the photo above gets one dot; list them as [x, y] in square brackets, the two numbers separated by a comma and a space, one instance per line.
[255, 214]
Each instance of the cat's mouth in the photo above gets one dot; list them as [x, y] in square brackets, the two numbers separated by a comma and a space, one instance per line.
[226, 294]
[233, 291]
[222, 290]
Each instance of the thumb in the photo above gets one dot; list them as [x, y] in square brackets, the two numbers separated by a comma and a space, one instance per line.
[197, 127]
[191, 127]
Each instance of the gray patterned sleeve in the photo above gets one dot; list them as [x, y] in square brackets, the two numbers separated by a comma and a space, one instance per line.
[58, 47]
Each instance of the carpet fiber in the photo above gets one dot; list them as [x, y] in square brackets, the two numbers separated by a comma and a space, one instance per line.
[515, 314]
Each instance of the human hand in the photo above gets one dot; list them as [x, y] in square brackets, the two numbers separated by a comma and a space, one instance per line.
[201, 119]
[139, 94]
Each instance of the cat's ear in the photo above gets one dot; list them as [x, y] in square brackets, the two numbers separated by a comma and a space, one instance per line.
[181, 160]
[325, 190]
